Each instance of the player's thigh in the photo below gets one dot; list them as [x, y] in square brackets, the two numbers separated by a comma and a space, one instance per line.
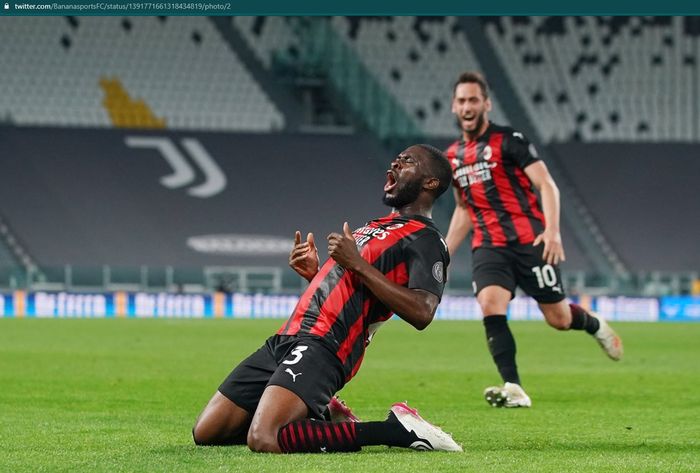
[493, 279]
[278, 407]
[245, 384]
[303, 384]
[228, 413]
[539, 280]
[312, 371]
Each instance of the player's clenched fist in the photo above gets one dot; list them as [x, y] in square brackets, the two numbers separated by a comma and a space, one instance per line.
[343, 249]
[304, 256]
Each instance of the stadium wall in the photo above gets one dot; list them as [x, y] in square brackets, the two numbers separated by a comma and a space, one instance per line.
[643, 196]
[21, 304]
[93, 197]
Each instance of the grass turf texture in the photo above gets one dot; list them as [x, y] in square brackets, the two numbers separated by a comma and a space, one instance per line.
[122, 395]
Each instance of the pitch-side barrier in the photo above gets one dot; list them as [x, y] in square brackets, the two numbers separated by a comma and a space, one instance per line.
[20, 304]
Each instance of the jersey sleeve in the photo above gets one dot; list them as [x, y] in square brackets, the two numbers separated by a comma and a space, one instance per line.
[520, 150]
[427, 260]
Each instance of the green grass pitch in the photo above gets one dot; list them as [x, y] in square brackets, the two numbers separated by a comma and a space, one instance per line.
[122, 395]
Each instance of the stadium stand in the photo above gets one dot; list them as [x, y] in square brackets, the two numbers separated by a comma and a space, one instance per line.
[104, 197]
[603, 78]
[95, 71]
[416, 59]
[268, 36]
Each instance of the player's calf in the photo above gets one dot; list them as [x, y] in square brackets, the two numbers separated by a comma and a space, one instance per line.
[558, 315]
[317, 436]
[581, 319]
[402, 428]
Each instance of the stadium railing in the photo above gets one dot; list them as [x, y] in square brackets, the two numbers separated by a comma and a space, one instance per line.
[70, 278]
[278, 280]
[325, 54]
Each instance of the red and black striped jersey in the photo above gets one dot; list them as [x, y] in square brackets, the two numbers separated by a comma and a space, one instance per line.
[343, 312]
[488, 173]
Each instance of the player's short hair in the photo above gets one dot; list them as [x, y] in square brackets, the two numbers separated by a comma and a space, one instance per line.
[471, 77]
[439, 168]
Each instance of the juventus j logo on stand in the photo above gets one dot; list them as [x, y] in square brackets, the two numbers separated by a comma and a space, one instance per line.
[183, 173]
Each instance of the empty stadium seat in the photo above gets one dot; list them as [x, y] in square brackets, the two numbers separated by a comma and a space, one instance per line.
[602, 78]
[179, 68]
[267, 36]
[415, 59]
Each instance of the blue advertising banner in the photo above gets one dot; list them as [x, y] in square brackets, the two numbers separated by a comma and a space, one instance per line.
[252, 306]
[62, 304]
[161, 304]
[637, 309]
[680, 308]
[5, 305]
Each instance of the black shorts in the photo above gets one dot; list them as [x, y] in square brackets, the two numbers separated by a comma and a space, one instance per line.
[517, 265]
[304, 365]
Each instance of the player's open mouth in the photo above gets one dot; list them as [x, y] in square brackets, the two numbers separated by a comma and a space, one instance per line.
[390, 181]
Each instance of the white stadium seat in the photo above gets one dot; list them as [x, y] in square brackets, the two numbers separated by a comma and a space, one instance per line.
[625, 79]
[180, 66]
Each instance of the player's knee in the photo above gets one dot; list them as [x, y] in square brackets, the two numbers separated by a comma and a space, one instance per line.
[201, 435]
[262, 441]
[198, 436]
[493, 301]
[492, 306]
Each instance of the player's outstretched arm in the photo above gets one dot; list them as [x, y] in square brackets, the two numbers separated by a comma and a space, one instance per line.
[460, 225]
[553, 247]
[415, 306]
[304, 256]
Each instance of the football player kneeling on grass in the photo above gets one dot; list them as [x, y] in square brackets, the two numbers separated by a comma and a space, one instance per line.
[275, 400]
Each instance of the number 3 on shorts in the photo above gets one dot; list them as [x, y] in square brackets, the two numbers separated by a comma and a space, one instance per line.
[546, 276]
[297, 352]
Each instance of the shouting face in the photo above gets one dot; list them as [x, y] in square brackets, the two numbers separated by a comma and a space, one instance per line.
[404, 178]
[471, 109]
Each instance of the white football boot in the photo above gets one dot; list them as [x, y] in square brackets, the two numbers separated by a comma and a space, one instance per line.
[609, 341]
[508, 395]
[427, 436]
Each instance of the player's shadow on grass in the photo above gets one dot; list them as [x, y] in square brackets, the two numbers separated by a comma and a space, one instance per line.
[243, 450]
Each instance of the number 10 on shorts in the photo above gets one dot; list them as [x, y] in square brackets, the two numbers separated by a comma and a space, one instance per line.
[546, 276]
